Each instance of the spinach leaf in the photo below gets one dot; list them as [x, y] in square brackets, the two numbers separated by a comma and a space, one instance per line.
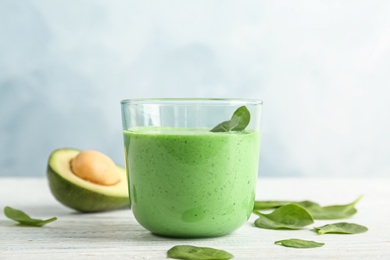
[238, 122]
[271, 204]
[317, 211]
[290, 216]
[194, 252]
[333, 211]
[341, 228]
[24, 219]
[299, 243]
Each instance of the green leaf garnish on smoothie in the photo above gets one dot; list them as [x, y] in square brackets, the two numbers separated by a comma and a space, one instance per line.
[193, 252]
[24, 219]
[238, 122]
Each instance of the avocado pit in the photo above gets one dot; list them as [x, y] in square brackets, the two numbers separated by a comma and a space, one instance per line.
[95, 167]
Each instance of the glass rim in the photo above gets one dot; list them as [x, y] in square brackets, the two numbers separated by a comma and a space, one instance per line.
[176, 101]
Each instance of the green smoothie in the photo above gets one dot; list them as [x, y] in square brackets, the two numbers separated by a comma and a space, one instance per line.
[191, 182]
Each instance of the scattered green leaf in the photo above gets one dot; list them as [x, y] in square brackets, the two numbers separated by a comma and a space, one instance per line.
[334, 211]
[317, 211]
[24, 219]
[271, 204]
[341, 228]
[238, 122]
[198, 253]
[299, 243]
[290, 216]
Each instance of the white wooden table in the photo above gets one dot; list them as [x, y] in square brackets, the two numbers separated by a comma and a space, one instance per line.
[116, 234]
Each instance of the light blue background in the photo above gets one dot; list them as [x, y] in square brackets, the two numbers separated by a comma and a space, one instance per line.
[322, 69]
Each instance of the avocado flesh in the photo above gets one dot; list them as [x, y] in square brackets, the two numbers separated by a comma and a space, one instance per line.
[79, 194]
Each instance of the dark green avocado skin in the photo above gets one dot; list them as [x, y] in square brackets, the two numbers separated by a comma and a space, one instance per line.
[81, 199]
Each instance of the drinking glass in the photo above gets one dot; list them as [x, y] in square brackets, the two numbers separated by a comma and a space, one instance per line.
[189, 175]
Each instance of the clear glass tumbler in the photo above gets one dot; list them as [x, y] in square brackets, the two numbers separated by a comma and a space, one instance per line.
[192, 163]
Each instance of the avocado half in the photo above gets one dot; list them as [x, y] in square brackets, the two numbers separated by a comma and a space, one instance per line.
[79, 194]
